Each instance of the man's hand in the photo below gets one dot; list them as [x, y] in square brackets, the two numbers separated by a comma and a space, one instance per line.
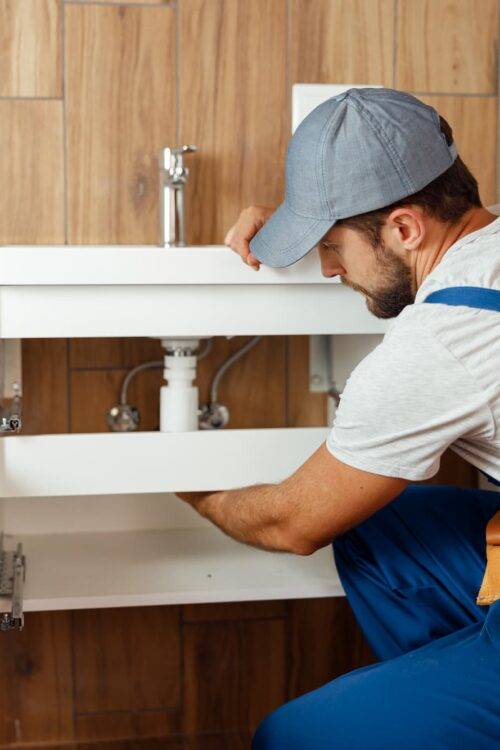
[321, 500]
[249, 222]
[192, 498]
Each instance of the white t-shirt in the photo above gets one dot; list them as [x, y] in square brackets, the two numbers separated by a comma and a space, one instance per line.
[434, 381]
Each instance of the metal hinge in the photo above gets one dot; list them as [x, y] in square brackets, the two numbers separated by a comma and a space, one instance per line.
[12, 577]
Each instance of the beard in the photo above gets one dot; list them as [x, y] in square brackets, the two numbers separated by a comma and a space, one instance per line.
[394, 290]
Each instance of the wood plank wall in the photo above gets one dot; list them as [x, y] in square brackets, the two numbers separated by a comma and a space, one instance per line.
[89, 91]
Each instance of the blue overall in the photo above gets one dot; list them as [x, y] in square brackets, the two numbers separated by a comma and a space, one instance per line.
[411, 573]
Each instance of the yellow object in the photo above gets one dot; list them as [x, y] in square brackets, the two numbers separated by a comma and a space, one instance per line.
[490, 587]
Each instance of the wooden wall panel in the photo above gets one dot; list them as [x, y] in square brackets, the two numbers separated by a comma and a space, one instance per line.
[94, 392]
[31, 173]
[342, 41]
[236, 741]
[224, 664]
[325, 643]
[36, 681]
[253, 389]
[122, 2]
[233, 611]
[113, 352]
[101, 728]
[477, 150]
[234, 105]
[447, 46]
[121, 665]
[30, 48]
[45, 386]
[120, 106]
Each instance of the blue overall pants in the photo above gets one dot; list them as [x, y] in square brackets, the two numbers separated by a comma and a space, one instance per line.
[411, 573]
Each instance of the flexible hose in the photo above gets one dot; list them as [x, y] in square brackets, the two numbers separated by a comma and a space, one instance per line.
[227, 364]
[153, 365]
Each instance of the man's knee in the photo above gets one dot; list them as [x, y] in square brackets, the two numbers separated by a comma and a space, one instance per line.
[310, 722]
[275, 732]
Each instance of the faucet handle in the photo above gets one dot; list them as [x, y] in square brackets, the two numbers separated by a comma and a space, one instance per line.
[189, 149]
[173, 158]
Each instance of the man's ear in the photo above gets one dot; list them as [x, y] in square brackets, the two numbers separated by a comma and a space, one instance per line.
[406, 228]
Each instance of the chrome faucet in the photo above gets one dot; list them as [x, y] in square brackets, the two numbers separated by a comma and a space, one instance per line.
[173, 177]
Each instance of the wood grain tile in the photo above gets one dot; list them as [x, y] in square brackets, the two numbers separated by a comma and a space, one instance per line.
[224, 663]
[233, 611]
[113, 352]
[94, 392]
[234, 106]
[447, 46]
[474, 123]
[220, 741]
[35, 681]
[120, 108]
[325, 643]
[125, 725]
[342, 41]
[45, 386]
[263, 664]
[126, 659]
[121, 2]
[227, 741]
[106, 726]
[30, 48]
[31, 172]
[253, 388]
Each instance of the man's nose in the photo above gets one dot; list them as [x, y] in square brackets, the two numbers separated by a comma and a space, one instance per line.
[332, 271]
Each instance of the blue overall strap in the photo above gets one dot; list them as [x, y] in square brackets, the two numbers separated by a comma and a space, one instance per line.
[469, 296]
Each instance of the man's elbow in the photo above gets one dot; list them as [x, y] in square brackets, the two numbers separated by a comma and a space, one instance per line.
[295, 542]
[304, 547]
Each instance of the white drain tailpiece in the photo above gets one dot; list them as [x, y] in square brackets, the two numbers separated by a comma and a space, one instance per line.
[179, 397]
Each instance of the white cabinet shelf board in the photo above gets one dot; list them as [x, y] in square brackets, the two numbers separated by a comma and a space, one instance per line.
[174, 566]
[142, 462]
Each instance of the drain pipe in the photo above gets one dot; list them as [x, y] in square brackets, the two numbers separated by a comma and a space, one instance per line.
[123, 417]
[179, 397]
[179, 411]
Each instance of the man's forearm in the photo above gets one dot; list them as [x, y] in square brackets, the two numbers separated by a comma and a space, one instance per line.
[255, 515]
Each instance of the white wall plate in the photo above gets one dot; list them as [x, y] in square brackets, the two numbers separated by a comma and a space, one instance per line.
[307, 96]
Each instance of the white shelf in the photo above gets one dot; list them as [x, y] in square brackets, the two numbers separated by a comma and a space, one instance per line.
[68, 291]
[142, 462]
[170, 566]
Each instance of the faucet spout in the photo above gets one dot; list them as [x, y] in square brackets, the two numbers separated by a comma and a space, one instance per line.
[173, 178]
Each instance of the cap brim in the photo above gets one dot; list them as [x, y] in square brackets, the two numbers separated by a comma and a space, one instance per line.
[286, 237]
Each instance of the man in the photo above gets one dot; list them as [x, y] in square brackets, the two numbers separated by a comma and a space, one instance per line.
[373, 180]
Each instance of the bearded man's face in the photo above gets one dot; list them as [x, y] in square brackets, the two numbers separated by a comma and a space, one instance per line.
[377, 272]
